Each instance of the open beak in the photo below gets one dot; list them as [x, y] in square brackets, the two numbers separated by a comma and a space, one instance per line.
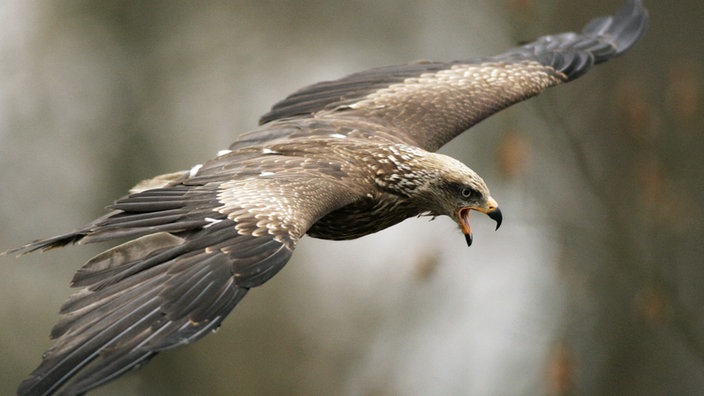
[491, 209]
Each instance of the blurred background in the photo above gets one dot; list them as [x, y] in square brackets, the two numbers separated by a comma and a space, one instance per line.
[592, 286]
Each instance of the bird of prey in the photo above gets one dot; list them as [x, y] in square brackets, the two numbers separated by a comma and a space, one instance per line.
[335, 160]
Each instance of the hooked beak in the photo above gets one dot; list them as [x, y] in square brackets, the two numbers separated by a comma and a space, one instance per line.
[491, 209]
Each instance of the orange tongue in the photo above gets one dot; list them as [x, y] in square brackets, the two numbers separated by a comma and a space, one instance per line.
[464, 222]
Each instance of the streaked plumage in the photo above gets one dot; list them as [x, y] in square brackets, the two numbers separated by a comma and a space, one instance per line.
[335, 160]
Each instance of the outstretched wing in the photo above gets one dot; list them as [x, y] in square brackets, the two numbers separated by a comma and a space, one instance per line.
[201, 240]
[433, 102]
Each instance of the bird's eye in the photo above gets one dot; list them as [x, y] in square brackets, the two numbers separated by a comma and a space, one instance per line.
[468, 192]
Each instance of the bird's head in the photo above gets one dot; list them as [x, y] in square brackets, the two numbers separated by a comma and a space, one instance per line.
[455, 190]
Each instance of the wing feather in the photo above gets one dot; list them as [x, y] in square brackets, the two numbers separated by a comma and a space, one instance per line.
[432, 102]
[141, 303]
[198, 245]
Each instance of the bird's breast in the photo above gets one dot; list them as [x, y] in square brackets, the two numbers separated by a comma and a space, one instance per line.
[362, 217]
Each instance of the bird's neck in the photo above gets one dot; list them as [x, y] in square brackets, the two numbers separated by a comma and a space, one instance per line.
[400, 170]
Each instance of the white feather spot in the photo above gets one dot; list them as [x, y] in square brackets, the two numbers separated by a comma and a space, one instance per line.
[268, 151]
[224, 152]
[265, 173]
[211, 222]
[338, 136]
[194, 170]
